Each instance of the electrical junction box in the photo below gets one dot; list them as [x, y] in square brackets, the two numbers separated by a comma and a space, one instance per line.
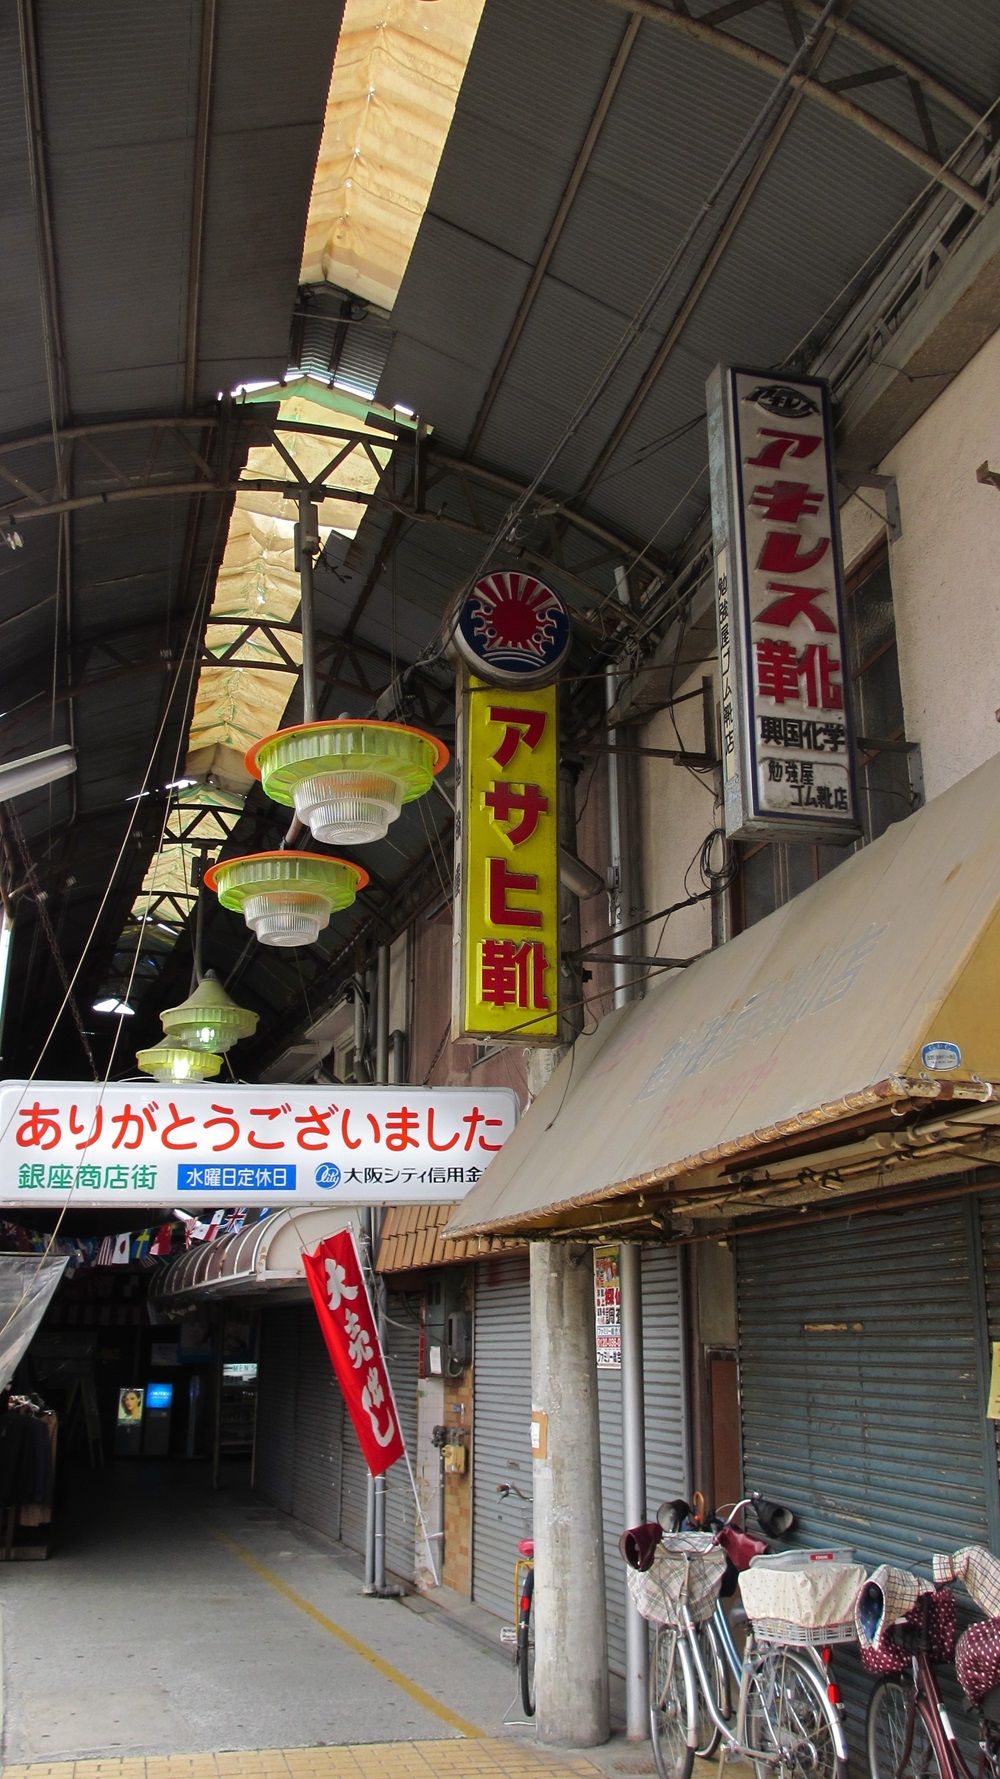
[454, 1460]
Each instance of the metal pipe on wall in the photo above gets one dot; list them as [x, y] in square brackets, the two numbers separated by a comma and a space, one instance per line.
[620, 895]
[306, 540]
[381, 1077]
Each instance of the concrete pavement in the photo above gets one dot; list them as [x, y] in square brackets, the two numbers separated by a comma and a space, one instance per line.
[175, 1632]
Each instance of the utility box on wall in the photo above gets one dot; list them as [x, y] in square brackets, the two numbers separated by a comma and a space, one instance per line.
[447, 1333]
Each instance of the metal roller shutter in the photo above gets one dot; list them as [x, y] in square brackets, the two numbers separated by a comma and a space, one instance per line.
[403, 1355]
[319, 1415]
[666, 1445]
[986, 1210]
[274, 1437]
[861, 1377]
[501, 1428]
[353, 1492]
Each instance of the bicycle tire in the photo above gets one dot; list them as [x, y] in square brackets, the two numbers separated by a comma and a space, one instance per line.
[886, 1729]
[717, 1675]
[526, 1645]
[673, 1706]
[789, 1714]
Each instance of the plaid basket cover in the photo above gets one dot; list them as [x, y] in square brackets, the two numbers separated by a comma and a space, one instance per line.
[807, 1605]
[886, 1657]
[686, 1567]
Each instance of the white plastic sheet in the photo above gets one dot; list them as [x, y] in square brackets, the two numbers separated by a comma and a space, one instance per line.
[27, 1282]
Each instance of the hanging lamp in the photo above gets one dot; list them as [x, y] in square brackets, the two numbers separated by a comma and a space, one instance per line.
[286, 898]
[175, 1062]
[347, 779]
[209, 1019]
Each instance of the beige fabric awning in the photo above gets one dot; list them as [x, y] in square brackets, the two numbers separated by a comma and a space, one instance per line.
[790, 1064]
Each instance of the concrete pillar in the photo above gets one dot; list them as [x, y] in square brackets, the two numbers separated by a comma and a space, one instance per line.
[571, 1657]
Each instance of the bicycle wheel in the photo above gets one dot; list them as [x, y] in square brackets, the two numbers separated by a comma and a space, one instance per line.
[790, 1718]
[526, 1645]
[673, 1707]
[897, 1743]
[717, 1675]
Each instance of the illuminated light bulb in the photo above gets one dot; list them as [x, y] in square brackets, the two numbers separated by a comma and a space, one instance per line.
[209, 1019]
[175, 1063]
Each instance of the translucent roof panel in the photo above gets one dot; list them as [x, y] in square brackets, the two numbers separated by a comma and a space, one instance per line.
[396, 77]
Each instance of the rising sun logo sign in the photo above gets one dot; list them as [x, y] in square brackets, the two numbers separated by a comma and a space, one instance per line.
[513, 630]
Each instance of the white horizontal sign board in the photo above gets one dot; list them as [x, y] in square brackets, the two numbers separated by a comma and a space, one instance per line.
[146, 1144]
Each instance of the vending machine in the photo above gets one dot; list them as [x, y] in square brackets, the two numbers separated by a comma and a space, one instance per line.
[159, 1408]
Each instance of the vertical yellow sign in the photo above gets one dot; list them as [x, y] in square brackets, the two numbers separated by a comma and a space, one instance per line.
[507, 865]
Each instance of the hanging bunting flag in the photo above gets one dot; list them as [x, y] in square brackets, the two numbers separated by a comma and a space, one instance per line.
[348, 1327]
[106, 1252]
[162, 1241]
[121, 1255]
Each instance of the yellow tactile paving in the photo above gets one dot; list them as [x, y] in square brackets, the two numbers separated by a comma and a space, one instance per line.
[485, 1758]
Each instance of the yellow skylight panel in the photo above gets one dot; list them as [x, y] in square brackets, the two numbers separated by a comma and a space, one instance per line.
[396, 78]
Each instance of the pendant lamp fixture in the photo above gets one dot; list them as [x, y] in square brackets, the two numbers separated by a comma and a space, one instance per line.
[347, 780]
[209, 1019]
[286, 898]
[167, 1061]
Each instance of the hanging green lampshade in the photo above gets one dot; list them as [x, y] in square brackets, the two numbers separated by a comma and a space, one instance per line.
[286, 898]
[176, 1063]
[347, 780]
[209, 1019]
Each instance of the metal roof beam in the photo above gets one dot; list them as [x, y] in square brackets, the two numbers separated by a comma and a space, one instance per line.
[845, 109]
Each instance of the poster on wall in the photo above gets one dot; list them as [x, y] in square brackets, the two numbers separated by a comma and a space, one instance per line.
[784, 668]
[607, 1308]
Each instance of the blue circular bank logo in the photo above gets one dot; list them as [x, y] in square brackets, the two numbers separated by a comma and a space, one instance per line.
[328, 1174]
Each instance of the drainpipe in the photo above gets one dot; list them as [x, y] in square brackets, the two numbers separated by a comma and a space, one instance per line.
[375, 1554]
[306, 545]
[621, 905]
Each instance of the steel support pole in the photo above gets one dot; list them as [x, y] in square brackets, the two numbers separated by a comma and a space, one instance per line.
[381, 1077]
[621, 910]
[307, 619]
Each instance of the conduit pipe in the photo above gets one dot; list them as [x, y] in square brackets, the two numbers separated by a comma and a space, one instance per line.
[620, 912]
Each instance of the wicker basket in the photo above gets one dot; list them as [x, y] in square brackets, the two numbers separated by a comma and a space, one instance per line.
[806, 1602]
[687, 1567]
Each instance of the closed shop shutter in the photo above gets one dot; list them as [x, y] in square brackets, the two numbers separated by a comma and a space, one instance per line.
[501, 1428]
[503, 1415]
[319, 1414]
[988, 1210]
[274, 1438]
[666, 1461]
[353, 1492]
[861, 1382]
[403, 1354]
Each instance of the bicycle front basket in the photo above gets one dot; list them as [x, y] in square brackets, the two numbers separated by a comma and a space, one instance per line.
[688, 1567]
[811, 1604]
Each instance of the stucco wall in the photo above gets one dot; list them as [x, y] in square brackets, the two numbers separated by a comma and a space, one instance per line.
[676, 814]
[946, 572]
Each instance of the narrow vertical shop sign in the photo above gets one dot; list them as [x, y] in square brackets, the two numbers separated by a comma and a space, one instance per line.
[784, 672]
[506, 935]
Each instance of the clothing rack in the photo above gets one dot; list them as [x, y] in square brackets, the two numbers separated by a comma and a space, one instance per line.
[28, 1436]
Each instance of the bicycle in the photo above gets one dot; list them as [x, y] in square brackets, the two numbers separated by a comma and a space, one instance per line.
[908, 1732]
[785, 1722]
[524, 1590]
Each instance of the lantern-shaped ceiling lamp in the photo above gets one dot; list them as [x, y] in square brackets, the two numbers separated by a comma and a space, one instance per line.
[347, 780]
[175, 1062]
[286, 898]
[209, 1019]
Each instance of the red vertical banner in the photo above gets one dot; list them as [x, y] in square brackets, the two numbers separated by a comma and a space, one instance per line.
[345, 1316]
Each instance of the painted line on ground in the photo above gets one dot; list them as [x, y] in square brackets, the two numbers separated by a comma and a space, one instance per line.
[367, 1654]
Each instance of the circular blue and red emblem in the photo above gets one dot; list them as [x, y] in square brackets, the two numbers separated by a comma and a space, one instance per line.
[512, 629]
